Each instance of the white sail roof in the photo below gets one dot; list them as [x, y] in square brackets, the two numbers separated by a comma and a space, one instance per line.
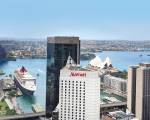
[108, 61]
[96, 62]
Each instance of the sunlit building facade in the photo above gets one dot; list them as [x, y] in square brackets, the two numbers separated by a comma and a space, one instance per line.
[118, 85]
[131, 90]
[141, 91]
[79, 94]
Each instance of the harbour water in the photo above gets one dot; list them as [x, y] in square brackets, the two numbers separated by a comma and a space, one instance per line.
[119, 59]
[122, 60]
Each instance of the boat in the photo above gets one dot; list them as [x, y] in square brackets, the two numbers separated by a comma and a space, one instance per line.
[37, 74]
[25, 81]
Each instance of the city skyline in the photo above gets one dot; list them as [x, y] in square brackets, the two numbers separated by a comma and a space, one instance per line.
[99, 20]
[56, 77]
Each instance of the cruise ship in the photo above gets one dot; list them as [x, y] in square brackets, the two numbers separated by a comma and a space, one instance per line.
[25, 81]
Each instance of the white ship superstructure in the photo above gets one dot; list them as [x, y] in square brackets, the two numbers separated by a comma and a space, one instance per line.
[25, 81]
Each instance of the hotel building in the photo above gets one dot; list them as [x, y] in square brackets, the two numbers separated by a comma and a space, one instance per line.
[79, 93]
[139, 91]
[58, 50]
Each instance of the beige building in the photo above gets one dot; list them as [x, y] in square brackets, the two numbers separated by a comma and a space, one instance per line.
[131, 88]
[138, 100]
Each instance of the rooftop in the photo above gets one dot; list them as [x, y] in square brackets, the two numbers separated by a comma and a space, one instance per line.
[134, 66]
[146, 64]
[115, 78]
[78, 68]
[64, 40]
[119, 115]
[71, 65]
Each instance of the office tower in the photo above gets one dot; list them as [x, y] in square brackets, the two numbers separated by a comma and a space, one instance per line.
[58, 50]
[131, 88]
[79, 93]
[142, 91]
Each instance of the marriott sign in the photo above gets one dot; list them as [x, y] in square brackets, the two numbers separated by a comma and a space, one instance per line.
[77, 74]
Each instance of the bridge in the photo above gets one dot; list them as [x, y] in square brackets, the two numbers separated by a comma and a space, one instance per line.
[23, 116]
[113, 104]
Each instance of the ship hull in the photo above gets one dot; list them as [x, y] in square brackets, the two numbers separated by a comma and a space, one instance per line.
[23, 90]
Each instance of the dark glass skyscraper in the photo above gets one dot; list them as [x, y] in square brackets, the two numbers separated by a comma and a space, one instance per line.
[58, 50]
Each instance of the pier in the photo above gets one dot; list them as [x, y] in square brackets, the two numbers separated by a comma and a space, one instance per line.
[10, 105]
[1, 91]
[23, 116]
[16, 106]
[37, 108]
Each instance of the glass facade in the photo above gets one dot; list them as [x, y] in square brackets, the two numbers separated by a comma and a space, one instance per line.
[133, 90]
[57, 54]
[146, 95]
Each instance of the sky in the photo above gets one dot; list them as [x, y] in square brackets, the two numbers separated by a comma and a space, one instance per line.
[88, 19]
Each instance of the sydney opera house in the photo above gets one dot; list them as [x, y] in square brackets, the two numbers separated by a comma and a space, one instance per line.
[98, 63]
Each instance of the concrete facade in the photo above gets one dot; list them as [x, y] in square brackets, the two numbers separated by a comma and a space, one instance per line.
[79, 95]
[139, 91]
[131, 88]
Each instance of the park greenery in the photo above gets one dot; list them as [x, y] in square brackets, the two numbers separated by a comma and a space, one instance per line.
[2, 72]
[4, 109]
[12, 93]
[121, 74]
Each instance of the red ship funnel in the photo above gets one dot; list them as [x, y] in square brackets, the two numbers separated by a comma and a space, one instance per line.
[23, 70]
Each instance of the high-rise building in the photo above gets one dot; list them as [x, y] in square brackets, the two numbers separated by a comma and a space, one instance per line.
[79, 93]
[131, 90]
[58, 50]
[141, 81]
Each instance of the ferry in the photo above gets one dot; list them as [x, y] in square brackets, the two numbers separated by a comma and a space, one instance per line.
[25, 81]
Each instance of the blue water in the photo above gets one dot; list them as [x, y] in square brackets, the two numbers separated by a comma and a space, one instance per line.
[120, 60]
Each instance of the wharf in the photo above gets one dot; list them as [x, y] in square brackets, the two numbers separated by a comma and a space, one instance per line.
[37, 108]
[16, 106]
[1, 91]
[10, 105]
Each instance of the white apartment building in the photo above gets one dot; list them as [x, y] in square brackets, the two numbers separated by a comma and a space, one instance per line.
[115, 83]
[79, 93]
